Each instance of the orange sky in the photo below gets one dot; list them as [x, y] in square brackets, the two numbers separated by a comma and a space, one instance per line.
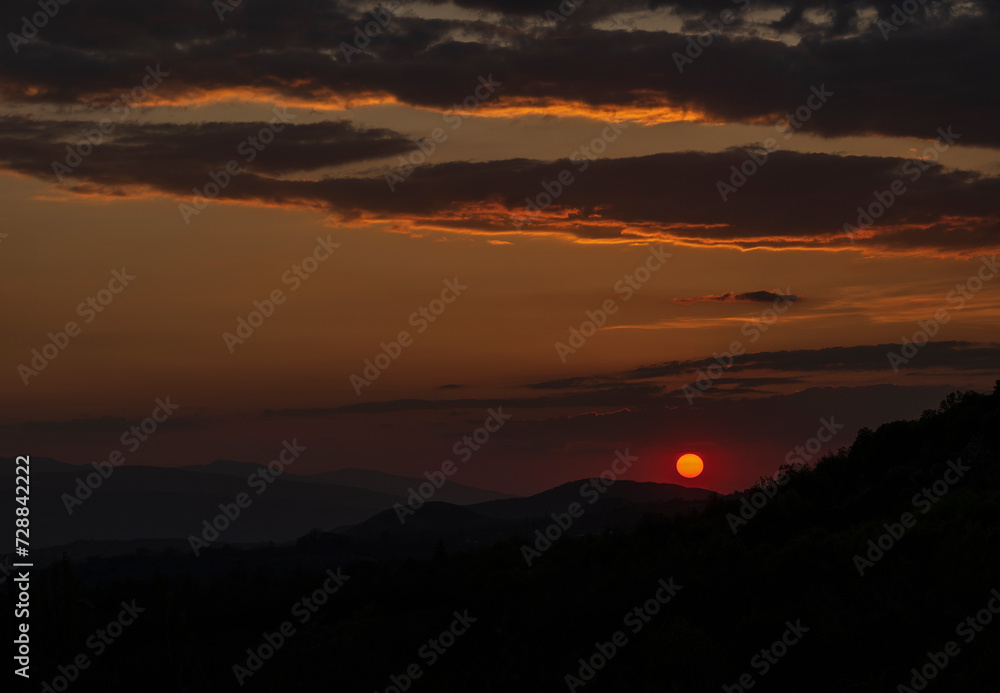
[163, 335]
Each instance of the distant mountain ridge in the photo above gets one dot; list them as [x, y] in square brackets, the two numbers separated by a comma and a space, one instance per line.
[382, 482]
[450, 492]
[416, 531]
[39, 465]
[141, 502]
[162, 503]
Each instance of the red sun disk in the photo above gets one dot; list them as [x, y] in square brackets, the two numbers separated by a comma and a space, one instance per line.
[690, 465]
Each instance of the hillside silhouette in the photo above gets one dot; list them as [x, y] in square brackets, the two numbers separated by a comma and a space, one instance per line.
[791, 558]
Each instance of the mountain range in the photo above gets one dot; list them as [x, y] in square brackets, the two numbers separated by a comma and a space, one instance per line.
[73, 504]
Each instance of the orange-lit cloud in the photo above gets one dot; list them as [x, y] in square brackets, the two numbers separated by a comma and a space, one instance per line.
[796, 201]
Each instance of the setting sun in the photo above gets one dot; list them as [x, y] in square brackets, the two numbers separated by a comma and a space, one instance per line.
[689, 465]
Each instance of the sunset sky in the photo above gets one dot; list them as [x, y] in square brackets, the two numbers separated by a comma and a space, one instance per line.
[396, 150]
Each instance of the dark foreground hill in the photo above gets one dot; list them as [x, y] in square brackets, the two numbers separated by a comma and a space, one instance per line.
[451, 492]
[875, 570]
[557, 499]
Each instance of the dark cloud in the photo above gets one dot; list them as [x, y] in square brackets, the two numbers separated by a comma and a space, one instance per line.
[603, 383]
[748, 297]
[955, 356]
[172, 157]
[106, 430]
[932, 72]
[631, 389]
[950, 356]
[844, 15]
[794, 200]
[613, 395]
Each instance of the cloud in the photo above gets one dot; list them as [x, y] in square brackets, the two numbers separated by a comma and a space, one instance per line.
[749, 297]
[796, 200]
[948, 356]
[634, 388]
[290, 51]
[173, 157]
[613, 395]
[106, 428]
